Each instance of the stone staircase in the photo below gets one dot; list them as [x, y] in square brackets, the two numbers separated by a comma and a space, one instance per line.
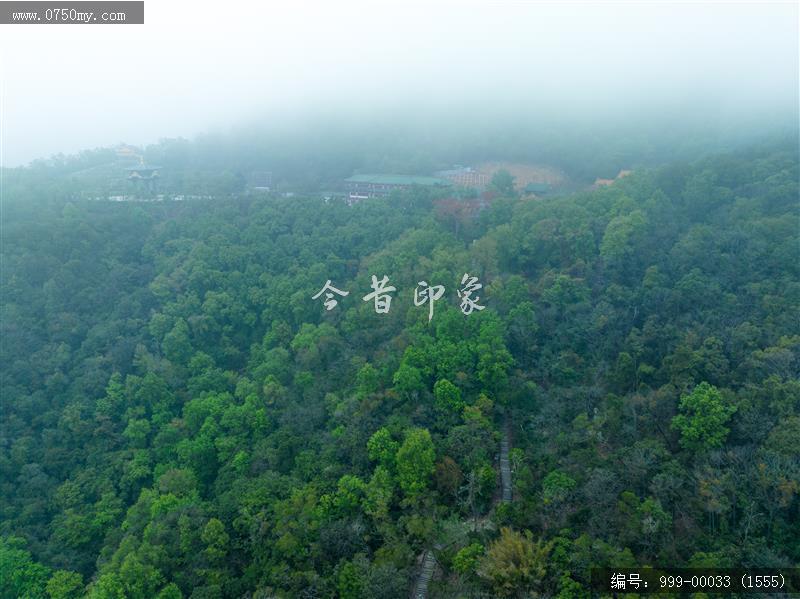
[425, 575]
[505, 465]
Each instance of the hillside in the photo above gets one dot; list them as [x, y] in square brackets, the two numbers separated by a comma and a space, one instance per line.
[182, 419]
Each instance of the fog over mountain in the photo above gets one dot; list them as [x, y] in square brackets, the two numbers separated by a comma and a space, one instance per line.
[404, 66]
[401, 299]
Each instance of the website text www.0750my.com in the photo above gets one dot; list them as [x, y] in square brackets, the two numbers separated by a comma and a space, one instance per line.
[67, 15]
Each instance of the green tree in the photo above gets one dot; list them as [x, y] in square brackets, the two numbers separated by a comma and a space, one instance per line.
[447, 397]
[503, 183]
[703, 417]
[108, 586]
[216, 540]
[20, 576]
[350, 583]
[467, 559]
[171, 591]
[379, 492]
[416, 461]
[620, 235]
[408, 380]
[515, 564]
[65, 585]
[556, 487]
[382, 448]
[177, 345]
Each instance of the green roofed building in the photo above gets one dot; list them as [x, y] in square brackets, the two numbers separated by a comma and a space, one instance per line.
[360, 187]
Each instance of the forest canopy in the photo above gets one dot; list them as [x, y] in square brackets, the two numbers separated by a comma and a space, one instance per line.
[181, 419]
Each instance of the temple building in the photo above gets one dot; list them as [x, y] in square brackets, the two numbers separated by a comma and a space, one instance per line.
[144, 176]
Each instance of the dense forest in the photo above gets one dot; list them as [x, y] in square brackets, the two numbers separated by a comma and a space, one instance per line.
[181, 419]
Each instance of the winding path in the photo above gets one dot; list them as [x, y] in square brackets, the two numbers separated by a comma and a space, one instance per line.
[428, 560]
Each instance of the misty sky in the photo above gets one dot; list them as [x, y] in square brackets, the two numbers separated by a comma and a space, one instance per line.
[195, 66]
